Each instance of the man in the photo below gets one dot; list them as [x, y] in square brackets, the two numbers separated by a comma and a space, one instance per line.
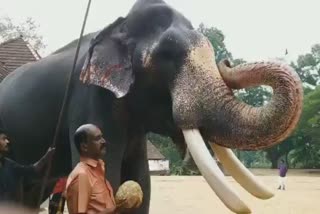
[282, 173]
[87, 190]
[12, 173]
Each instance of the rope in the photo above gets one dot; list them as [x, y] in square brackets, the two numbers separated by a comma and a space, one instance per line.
[62, 110]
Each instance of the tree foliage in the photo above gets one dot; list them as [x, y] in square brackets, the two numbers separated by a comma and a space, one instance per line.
[306, 150]
[28, 29]
[216, 37]
[308, 67]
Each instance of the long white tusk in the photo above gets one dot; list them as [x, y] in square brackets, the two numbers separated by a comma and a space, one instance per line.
[212, 173]
[240, 173]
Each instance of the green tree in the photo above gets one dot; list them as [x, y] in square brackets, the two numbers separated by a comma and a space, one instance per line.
[307, 136]
[308, 67]
[249, 158]
[257, 96]
[28, 29]
[216, 37]
[279, 151]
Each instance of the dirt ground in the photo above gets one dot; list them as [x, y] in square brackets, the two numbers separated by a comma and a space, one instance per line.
[190, 195]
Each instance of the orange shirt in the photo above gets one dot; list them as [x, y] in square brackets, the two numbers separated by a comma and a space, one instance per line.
[87, 190]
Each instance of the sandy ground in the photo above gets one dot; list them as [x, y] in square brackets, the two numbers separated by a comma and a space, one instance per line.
[190, 195]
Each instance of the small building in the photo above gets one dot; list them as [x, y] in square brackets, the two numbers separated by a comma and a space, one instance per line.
[3, 71]
[14, 53]
[158, 164]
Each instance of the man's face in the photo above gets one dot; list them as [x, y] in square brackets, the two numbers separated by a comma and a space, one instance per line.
[96, 146]
[4, 144]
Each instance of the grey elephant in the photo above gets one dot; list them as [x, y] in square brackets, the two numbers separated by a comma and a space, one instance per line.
[150, 71]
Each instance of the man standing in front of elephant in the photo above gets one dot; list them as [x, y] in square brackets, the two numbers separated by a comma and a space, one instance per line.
[87, 190]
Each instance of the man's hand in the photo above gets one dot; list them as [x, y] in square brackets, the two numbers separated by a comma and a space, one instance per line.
[42, 162]
[50, 152]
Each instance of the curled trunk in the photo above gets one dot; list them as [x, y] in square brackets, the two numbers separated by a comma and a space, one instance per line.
[203, 99]
[205, 108]
[261, 127]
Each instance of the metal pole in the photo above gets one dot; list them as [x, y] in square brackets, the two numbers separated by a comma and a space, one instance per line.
[62, 110]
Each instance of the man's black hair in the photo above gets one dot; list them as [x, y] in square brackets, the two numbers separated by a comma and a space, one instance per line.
[80, 136]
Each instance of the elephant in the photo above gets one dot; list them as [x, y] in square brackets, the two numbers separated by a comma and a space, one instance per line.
[149, 71]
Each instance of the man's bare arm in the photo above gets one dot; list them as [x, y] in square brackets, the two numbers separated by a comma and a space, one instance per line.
[42, 162]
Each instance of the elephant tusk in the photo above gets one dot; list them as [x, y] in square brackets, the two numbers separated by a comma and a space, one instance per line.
[240, 173]
[211, 172]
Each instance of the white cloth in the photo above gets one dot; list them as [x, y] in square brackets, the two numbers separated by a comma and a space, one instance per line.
[282, 182]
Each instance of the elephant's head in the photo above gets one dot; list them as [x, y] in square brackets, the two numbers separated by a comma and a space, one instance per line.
[155, 48]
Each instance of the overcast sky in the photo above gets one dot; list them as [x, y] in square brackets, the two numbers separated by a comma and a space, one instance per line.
[254, 29]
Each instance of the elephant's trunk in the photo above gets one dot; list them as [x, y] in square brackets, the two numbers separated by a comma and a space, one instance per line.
[260, 127]
[202, 99]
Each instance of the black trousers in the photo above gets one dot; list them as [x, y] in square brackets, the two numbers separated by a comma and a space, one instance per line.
[56, 203]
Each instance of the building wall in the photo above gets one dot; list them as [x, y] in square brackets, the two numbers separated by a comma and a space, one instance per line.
[159, 167]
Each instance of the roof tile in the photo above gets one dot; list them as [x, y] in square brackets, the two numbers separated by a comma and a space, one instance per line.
[3, 72]
[153, 153]
[16, 52]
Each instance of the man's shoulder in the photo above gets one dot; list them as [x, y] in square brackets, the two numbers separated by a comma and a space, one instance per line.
[81, 170]
[19, 169]
[11, 163]
[8, 160]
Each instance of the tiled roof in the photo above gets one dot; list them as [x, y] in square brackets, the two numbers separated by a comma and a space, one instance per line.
[3, 72]
[153, 153]
[16, 52]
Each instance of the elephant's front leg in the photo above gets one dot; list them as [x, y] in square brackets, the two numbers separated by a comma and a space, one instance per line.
[135, 167]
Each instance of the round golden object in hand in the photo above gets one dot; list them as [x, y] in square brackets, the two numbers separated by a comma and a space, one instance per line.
[129, 195]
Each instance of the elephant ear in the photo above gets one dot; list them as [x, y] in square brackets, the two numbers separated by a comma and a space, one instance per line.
[108, 63]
